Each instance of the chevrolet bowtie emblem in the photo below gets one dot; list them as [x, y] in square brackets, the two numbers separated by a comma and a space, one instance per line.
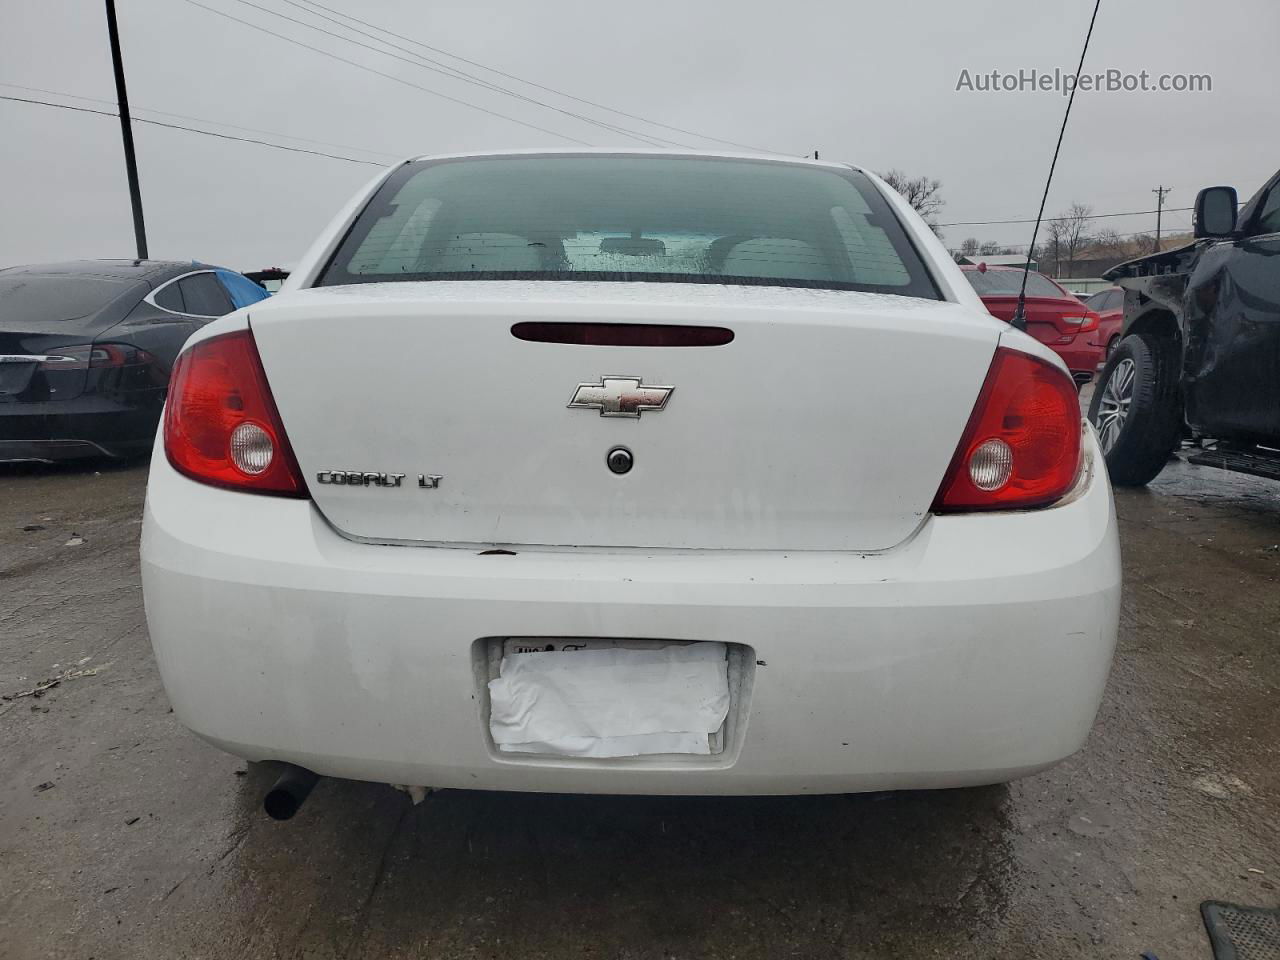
[620, 397]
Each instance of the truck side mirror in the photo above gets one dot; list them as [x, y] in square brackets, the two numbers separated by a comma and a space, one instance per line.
[1215, 213]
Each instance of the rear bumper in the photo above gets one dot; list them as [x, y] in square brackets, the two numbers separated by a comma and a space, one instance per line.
[975, 652]
[1082, 358]
[91, 425]
[50, 451]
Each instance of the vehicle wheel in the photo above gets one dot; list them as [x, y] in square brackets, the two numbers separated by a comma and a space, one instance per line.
[1137, 408]
[1111, 346]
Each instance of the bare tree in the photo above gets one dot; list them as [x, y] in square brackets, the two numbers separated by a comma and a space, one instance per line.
[1140, 244]
[1053, 246]
[1108, 243]
[969, 246]
[922, 193]
[1069, 234]
[989, 249]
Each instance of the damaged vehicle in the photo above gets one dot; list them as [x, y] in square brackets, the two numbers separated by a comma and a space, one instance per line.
[629, 472]
[1200, 348]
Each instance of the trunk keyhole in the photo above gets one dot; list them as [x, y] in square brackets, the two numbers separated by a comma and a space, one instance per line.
[619, 460]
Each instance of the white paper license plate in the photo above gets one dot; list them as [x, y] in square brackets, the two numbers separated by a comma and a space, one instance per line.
[609, 698]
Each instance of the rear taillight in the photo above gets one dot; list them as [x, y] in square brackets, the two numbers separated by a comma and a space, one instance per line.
[1021, 447]
[1083, 324]
[221, 425]
[95, 355]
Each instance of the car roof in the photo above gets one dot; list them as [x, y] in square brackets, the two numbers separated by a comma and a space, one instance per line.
[975, 266]
[639, 152]
[152, 271]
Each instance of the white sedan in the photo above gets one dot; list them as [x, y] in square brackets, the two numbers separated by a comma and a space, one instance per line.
[630, 472]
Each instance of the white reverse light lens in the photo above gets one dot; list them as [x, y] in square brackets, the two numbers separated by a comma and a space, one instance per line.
[991, 464]
[251, 448]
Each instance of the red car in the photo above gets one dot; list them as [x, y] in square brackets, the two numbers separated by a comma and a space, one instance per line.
[1054, 317]
[1108, 304]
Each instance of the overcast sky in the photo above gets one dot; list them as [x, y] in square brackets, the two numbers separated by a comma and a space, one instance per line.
[868, 82]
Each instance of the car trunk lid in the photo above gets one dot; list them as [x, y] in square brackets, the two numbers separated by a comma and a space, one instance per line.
[827, 423]
[42, 318]
[1045, 316]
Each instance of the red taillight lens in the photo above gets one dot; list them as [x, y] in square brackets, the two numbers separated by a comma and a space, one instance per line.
[622, 334]
[1021, 447]
[1079, 324]
[1091, 321]
[84, 356]
[221, 425]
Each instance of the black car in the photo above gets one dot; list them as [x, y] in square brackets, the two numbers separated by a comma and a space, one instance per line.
[1200, 348]
[86, 349]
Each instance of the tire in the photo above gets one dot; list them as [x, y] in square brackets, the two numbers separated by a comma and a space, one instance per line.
[1137, 408]
[1111, 347]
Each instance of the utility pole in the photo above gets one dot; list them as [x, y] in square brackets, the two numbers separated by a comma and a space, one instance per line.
[126, 133]
[1160, 192]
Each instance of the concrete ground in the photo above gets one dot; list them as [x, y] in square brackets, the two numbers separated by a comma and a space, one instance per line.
[123, 836]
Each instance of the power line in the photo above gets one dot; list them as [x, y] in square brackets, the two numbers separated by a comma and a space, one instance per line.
[539, 86]
[1116, 236]
[215, 123]
[206, 133]
[1092, 216]
[1020, 247]
[445, 70]
[334, 156]
[442, 69]
[389, 76]
[453, 73]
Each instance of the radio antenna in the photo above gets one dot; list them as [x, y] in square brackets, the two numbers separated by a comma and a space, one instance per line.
[1020, 314]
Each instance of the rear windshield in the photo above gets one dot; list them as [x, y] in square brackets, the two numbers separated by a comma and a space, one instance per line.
[31, 298]
[617, 218]
[1105, 300]
[995, 283]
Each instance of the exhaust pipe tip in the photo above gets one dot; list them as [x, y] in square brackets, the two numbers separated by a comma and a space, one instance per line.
[289, 793]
